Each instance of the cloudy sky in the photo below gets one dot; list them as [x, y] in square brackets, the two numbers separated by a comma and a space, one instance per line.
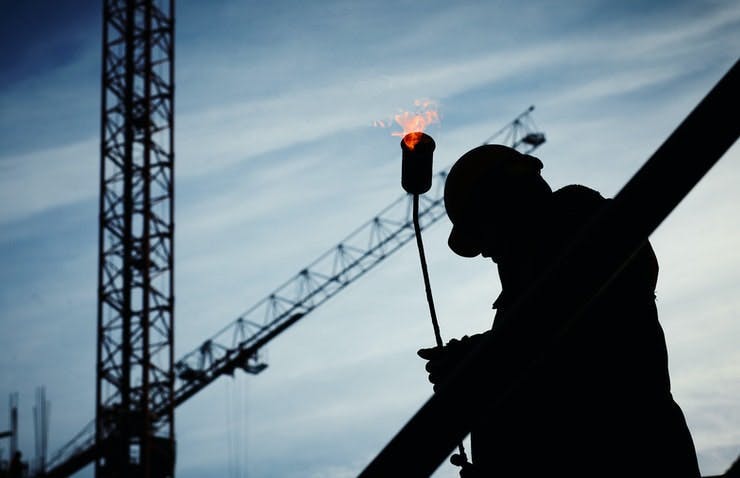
[277, 161]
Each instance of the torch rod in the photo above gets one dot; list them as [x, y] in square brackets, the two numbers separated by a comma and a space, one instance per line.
[427, 285]
[430, 299]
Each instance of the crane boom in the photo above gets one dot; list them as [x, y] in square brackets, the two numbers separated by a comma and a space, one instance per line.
[238, 344]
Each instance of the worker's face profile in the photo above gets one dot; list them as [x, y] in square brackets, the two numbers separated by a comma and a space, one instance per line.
[493, 222]
[488, 213]
[482, 233]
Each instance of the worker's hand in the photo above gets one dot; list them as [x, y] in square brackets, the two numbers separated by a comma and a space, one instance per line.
[443, 360]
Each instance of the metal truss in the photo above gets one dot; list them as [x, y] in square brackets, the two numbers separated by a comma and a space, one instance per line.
[135, 274]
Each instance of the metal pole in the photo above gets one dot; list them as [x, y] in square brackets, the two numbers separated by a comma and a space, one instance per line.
[608, 242]
[430, 299]
[425, 272]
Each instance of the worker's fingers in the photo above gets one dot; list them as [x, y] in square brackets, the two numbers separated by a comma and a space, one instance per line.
[431, 353]
[436, 377]
[434, 366]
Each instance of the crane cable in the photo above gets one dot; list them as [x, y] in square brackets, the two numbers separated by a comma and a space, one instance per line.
[236, 406]
[229, 432]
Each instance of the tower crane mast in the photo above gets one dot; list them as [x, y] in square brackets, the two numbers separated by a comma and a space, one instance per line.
[238, 344]
[136, 231]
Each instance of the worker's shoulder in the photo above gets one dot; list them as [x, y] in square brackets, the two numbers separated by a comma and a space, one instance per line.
[576, 199]
[574, 205]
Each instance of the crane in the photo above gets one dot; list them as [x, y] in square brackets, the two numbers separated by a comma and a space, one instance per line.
[238, 345]
[134, 370]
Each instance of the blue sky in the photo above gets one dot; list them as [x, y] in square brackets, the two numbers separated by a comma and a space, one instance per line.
[277, 161]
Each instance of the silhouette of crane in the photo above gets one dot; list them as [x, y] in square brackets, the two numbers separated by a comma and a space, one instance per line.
[238, 344]
[134, 423]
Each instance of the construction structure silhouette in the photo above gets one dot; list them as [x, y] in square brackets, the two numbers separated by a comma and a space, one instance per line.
[136, 396]
[134, 424]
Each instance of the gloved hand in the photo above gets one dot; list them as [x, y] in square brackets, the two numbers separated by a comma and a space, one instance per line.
[443, 360]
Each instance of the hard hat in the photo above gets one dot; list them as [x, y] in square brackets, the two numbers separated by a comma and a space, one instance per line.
[492, 167]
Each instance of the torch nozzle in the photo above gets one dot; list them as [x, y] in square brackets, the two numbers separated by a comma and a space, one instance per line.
[416, 162]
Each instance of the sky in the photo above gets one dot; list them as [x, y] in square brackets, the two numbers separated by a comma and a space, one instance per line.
[277, 161]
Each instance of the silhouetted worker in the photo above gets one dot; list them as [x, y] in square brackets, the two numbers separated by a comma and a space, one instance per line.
[601, 405]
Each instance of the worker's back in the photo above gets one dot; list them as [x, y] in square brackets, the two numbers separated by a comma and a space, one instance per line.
[601, 405]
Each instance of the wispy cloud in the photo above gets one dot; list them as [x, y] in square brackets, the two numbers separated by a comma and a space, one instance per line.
[218, 136]
[34, 182]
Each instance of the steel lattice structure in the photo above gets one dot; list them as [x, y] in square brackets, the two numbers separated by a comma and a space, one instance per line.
[135, 274]
[238, 344]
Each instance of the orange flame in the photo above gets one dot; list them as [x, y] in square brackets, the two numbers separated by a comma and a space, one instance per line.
[413, 123]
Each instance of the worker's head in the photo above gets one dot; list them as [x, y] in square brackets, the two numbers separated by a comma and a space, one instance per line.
[490, 194]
